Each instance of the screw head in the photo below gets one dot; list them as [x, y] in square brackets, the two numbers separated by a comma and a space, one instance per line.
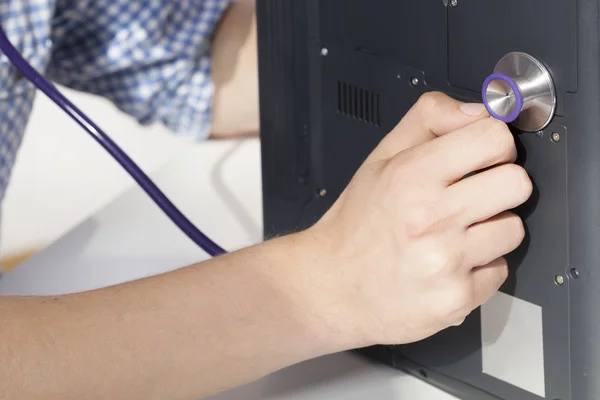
[453, 3]
[324, 51]
[322, 193]
[555, 137]
[559, 280]
[414, 81]
[574, 273]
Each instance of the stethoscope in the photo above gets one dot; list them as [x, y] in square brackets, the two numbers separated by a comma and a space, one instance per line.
[521, 91]
[113, 149]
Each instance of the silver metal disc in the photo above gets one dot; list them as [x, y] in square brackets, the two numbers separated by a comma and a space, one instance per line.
[537, 87]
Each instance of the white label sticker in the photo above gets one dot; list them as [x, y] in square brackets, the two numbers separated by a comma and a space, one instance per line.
[513, 343]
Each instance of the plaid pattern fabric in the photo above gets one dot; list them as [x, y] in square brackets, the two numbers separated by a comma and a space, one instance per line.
[151, 58]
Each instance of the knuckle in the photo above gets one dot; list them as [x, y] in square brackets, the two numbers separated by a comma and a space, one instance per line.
[459, 300]
[500, 272]
[501, 138]
[527, 184]
[518, 228]
[429, 101]
[399, 163]
[396, 171]
[523, 184]
[496, 126]
[419, 222]
[503, 271]
[441, 259]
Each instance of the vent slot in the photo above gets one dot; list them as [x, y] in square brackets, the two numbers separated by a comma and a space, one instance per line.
[358, 103]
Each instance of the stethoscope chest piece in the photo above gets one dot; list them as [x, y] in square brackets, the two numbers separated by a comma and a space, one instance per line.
[520, 92]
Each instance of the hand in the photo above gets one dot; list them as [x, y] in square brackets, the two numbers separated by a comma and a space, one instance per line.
[412, 247]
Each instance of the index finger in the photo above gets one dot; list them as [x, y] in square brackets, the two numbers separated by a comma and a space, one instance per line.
[475, 147]
[434, 115]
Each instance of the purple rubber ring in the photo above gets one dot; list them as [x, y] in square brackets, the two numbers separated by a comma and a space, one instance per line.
[518, 96]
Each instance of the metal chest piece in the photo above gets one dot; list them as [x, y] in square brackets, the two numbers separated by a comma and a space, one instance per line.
[520, 92]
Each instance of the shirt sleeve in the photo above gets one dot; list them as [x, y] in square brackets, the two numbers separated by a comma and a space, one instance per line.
[151, 58]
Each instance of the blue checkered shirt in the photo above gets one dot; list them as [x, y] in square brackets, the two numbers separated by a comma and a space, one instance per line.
[151, 58]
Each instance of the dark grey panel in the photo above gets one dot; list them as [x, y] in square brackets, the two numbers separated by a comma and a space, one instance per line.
[381, 29]
[481, 32]
[343, 101]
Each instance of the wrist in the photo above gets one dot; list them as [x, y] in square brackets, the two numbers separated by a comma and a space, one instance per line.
[309, 270]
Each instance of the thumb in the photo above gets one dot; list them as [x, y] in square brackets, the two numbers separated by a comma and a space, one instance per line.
[434, 115]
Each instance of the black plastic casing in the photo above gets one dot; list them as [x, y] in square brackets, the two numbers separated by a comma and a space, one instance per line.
[337, 75]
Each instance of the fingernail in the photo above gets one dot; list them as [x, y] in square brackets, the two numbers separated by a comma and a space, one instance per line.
[472, 109]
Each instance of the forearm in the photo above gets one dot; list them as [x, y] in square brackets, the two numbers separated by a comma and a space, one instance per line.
[182, 335]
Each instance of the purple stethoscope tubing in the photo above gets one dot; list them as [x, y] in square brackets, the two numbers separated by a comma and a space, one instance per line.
[110, 146]
[519, 101]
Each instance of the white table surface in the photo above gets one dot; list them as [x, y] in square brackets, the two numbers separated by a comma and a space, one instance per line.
[217, 185]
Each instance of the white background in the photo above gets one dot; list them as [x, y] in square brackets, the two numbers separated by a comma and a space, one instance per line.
[62, 175]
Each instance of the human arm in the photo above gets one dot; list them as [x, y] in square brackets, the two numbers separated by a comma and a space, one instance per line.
[235, 61]
[192, 69]
[182, 335]
[395, 260]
